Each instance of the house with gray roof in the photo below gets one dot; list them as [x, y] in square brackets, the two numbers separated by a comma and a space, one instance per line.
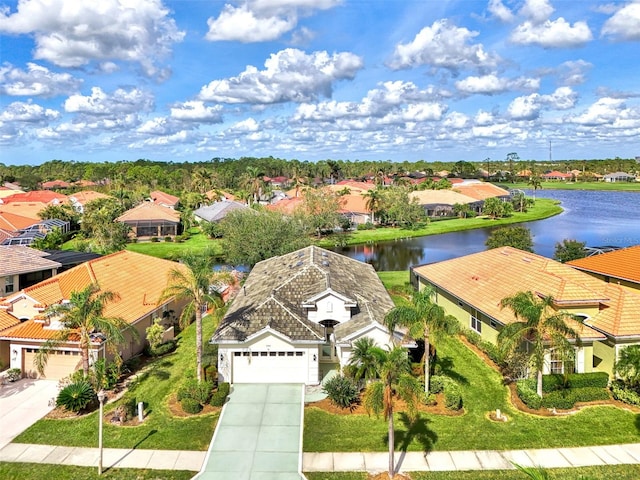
[21, 267]
[619, 177]
[297, 317]
[217, 211]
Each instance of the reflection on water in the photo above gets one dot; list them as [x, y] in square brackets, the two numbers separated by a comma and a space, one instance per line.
[597, 218]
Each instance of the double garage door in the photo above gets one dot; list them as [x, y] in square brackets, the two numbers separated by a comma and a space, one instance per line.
[270, 367]
[59, 365]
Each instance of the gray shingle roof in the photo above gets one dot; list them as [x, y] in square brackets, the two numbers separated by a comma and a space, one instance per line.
[218, 210]
[276, 289]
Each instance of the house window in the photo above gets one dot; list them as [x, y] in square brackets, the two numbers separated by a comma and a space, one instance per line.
[493, 324]
[557, 365]
[476, 324]
[329, 307]
[8, 284]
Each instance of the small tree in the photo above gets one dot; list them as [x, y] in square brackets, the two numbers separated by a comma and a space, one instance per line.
[628, 365]
[517, 237]
[569, 250]
[154, 334]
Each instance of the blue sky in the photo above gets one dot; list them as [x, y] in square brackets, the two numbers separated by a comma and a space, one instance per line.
[188, 80]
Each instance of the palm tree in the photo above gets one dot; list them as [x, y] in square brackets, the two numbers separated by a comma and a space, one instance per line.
[540, 325]
[365, 358]
[535, 183]
[193, 285]
[395, 382]
[374, 202]
[81, 318]
[252, 181]
[628, 365]
[423, 318]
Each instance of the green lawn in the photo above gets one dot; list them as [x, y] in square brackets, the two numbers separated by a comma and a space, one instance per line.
[173, 251]
[619, 472]
[160, 429]
[37, 471]
[619, 186]
[543, 208]
[482, 392]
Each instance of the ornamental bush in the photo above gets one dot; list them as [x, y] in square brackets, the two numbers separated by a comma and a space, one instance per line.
[76, 396]
[341, 391]
[195, 390]
[527, 393]
[219, 397]
[624, 394]
[574, 380]
[190, 405]
[452, 395]
[436, 383]
[566, 399]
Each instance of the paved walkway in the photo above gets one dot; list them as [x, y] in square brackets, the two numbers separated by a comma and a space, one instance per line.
[259, 434]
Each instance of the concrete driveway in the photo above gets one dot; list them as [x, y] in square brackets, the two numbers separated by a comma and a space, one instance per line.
[22, 404]
[259, 434]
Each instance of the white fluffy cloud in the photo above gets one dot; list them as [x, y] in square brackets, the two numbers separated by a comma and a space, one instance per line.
[529, 107]
[289, 76]
[500, 11]
[604, 111]
[624, 24]
[443, 45]
[27, 112]
[552, 34]
[261, 20]
[100, 103]
[36, 81]
[492, 84]
[196, 111]
[536, 11]
[71, 33]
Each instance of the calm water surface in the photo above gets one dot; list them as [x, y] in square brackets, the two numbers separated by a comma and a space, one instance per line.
[597, 218]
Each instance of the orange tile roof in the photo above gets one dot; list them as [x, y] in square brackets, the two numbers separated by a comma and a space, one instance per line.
[87, 196]
[56, 184]
[352, 185]
[484, 279]
[25, 209]
[138, 280]
[149, 211]
[30, 330]
[445, 197]
[353, 203]
[12, 222]
[286, 205]
[7, 320]
[44, 196]
[480, 190]
[623, 264]
[164, 198]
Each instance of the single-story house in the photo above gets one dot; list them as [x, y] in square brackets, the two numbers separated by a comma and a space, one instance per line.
[297, 316]
[151, 220]
[80, 199]
[47, 197]
[619, 177]
[55, 184]
[217, 211]
[164, 199]
[439, 203]
[471, 288]
[481, 191]
[354, 207]
[621, 267]
[138, 280]
[21, 267]
[556, 175]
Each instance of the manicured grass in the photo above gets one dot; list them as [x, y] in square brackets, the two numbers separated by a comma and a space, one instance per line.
[605, 186]
[173, 251]
[394, 279]
[37, 471]
[543, 208]
[160, 429]
[619, 472]
[482, 392]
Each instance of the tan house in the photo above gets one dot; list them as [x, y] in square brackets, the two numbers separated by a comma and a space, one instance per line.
[149, 220]
[80, 199]
[21, 267]
[164, 199]
[439, 203]
[471, 288]
[137, 279]
[621, 267]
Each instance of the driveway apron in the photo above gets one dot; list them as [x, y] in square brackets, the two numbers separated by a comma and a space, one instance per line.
[259, 434]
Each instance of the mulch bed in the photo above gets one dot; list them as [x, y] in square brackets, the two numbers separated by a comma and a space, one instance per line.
[176, 409]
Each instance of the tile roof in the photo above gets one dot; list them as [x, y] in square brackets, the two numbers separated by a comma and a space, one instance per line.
[149, 211]
[483, 279]
[24, 209]
[354, 204]
[44, 196]
[623, 264]
[163, 198]
[218, 210]
[86, 196]
[480, 190]
[4, 234]
[275, 290]
[352, 185]
[15, 260]
[12, 222]
[137, 279]
[7, 320]
[440, 197]
[56, 184]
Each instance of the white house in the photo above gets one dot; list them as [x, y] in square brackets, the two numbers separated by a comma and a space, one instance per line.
[297, 316]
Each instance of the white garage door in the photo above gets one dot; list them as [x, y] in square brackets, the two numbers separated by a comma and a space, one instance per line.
[60, 364]
[270, 367]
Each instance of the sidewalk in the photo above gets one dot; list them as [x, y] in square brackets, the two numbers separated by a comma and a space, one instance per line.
[473, 459]
[111, 457]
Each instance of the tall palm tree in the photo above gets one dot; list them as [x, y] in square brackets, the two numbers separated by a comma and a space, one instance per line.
[365, 357]
[540, 325]
[253, 182]
[536, 183]
[374, 202]
[193, 285]
[80, 318]
[423, 318]
[395, 382]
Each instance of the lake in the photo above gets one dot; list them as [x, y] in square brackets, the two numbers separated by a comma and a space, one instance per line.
[595, 217]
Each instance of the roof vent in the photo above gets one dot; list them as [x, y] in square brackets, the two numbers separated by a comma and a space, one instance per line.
[324, 254]
[299, 264]
[325, 263]
[526, 259]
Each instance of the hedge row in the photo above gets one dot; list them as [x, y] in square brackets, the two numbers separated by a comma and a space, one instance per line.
[527, 393]
[574, 380]
[219, 397]
[625, 395]
[563, 399]
[492, 350]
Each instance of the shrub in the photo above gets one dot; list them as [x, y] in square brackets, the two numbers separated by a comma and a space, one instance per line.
[366, 226]
[574, 380]
[76, 396]
[211, 373]
[154, 239]
[493, 352]
[452, 396]
[341, 391]
[350, 371]
[105, 375]
[14, 374]
[162, 349]
[516, 365]
[527, 393]
[219, 397]
[436, 383]
[472, 337]
[190, 405]
[198, 391]
[626, 395]
[168, 239]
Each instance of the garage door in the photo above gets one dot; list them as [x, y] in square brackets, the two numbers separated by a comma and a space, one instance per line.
[270, 367]
[60, 364]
